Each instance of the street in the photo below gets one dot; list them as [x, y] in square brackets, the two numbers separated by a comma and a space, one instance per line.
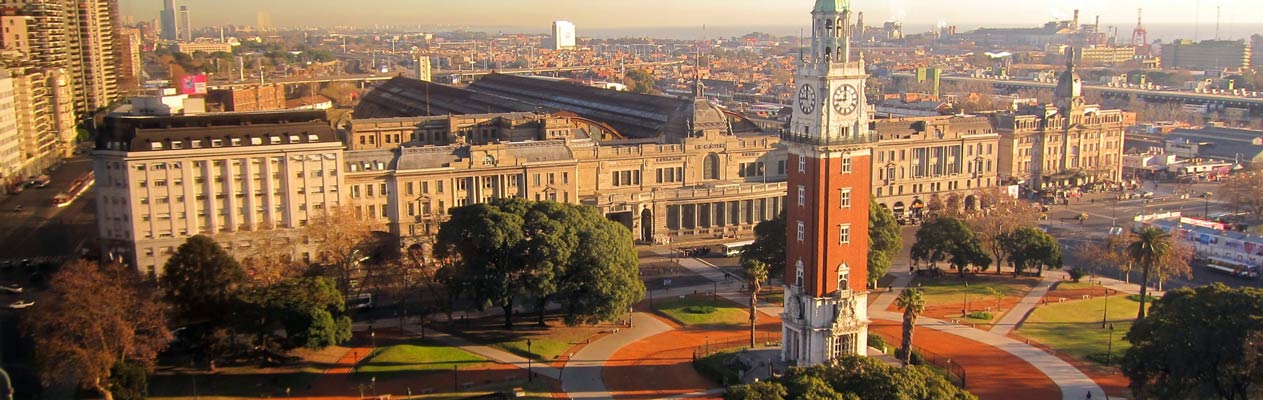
[42, 230]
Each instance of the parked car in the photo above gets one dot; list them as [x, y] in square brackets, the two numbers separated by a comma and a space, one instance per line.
[20, 304]
[15, 289]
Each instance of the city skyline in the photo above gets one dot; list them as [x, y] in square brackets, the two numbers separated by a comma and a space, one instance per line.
[538, 14]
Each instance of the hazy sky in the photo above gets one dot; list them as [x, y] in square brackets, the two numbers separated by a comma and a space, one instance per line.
[595, 14]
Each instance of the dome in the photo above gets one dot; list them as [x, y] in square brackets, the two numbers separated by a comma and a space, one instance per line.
[832, 6]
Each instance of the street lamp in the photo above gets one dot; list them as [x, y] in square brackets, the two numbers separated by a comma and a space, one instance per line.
[1206, 206]
[529, 375]
[1106, 313]
[1110, 346]
[964, 311]
[707, 352]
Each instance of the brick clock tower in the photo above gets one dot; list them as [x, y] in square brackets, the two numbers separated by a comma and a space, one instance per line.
[830, 151]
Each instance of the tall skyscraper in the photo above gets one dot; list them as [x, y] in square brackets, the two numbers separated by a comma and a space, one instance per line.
[170, 26]
[186, 28]
[830, 180]
[563, 35]
[264, 21]
[93, 63]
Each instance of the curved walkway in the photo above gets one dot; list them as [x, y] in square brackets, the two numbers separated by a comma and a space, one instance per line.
[581, 377]
[1074, 384]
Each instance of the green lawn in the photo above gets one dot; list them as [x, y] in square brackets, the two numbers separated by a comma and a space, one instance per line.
[418, 357]
[542, 348]
[950, 289]
[230, 382]
[772, 297]
[722, 313]
[1071, 285]
[1074, 327]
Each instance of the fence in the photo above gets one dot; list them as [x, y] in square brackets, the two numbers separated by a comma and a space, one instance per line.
[727, 343]
[955, 372]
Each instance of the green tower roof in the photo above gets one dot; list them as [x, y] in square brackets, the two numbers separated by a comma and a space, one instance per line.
[832, 6]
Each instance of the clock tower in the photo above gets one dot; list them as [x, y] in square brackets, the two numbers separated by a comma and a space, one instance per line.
[830, 152]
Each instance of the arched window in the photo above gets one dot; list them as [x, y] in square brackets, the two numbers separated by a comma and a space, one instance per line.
[710, 167]
[844, 277]
[798, 273]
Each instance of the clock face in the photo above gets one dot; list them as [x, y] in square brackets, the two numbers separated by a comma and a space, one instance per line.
[807, 99]
[846, 99]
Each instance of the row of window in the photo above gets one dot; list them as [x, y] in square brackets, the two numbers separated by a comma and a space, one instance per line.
[844, 233]
[844, 197]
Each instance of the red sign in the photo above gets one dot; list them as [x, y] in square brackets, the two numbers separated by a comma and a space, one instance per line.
[193, 84]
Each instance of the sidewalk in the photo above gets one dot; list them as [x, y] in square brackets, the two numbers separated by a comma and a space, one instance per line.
[1074, 384]
[1018, 314]
[581, 377]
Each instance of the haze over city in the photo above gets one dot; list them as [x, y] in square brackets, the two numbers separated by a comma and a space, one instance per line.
[534, 15]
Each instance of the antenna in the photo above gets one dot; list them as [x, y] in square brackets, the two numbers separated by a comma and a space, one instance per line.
[800, 46]
[1218, 17]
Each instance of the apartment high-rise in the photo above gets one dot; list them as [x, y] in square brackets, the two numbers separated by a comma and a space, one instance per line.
[10, 141]
[129, 64]
[186, 28]
[170, 26]
[15, 36]
[264, 21]
[93, 25]
[563, 35]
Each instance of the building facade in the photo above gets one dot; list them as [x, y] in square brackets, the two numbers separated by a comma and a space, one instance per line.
[563, 35]
[1069, 143]
[93, 25]
[244, 179]
[169, 21]
[1207, 54]
[920, 160]
[10, 138]
[830, 155]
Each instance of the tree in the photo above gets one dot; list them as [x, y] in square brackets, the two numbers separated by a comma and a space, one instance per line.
[129, 381]
[884, 241]
[546, 251]
[1032, 248]
[308, 309]
[484, 237]
[769, 245]
[1197, 344]
[1148, 248]
[92, 318]
[949, 239]
[1109, 255]
[639, 81]
[1242, 191]
[342, 238]
[853, 378]
[913, 304]
[202, 282]
[1000, 216]
[755, 273]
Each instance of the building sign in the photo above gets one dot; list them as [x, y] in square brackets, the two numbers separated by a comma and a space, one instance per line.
[193, 84]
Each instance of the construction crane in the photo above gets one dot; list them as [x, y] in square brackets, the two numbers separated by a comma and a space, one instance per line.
[1139, 36]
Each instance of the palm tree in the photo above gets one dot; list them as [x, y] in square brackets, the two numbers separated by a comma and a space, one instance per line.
[1149, 246]
[912, 304]
[756, 274]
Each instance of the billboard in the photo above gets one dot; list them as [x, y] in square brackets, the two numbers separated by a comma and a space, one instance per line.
[193, 84]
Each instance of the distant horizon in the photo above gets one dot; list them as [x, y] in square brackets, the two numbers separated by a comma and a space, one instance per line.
[917, 15]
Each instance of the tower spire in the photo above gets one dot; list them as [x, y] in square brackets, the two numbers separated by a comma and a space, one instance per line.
[699, 91]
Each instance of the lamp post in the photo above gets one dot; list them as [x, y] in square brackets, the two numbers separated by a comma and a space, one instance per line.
[372, 335]
[1206, 205]
[1105, 314]
[707, 352]
[529, 375]
[964, 311]
[1110, 346]
[373, 385]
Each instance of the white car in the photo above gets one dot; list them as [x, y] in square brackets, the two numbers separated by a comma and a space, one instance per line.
[18, 305]
[15, 289]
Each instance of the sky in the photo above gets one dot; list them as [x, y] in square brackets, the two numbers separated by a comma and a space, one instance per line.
[536, 15]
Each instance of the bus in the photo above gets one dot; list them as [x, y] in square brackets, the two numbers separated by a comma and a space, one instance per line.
[1234, 268]
[734, 249]
[359, 301]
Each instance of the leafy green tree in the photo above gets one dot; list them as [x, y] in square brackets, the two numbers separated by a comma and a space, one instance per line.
[1030, 247]
[761, 390]
[1199, 344]
[912, 304]
[92, 318]
[769, 245]
[1149, 246]
[884, 241]
[546, 251]
[755, 273]
[949, 239]
[309, 310]
[202, 282]
[486, 239]
[853, 378]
